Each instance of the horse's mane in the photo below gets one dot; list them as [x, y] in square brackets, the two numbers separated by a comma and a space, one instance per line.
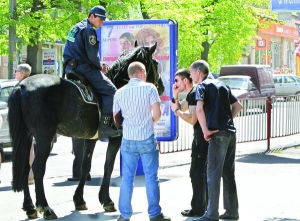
[118, 71]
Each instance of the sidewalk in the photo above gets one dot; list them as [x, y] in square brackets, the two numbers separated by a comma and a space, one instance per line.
[268, 184]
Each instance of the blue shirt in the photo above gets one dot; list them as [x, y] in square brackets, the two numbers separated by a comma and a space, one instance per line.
[135, 100]
[217, 98]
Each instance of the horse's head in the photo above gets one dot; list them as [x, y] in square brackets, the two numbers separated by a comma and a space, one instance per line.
[118, 71]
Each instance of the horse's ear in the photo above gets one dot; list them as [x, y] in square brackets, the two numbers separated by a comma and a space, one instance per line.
[135, 44]
[153, 48]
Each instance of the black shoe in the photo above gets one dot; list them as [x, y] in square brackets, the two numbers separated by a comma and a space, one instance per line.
[88, 178]
[73, 179]
[160, 217]
[227, 216]
[190, 213]
[106, 130]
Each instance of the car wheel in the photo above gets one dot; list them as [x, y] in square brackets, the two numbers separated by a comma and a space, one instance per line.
[2, 157]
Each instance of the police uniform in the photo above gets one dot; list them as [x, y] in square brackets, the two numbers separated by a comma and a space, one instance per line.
[81, 55]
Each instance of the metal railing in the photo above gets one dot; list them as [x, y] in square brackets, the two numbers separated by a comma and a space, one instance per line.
[261, 119]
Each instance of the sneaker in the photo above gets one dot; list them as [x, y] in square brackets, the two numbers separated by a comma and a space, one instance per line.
[160, 217]
[120, 218]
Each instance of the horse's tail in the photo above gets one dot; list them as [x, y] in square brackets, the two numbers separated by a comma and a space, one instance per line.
[21, 140]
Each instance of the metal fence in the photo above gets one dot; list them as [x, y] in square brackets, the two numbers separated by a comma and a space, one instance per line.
[261, 119]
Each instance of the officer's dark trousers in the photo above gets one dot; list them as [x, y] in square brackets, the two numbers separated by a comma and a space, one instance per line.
[198, 175]
[78, 153]
[102, 85]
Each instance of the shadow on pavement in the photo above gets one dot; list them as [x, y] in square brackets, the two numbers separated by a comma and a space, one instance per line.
[96, 216]
[265, 158]
[139, 181]
[5, 188]
[279, 219]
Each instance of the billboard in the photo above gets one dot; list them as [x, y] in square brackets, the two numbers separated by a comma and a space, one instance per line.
[285, 5]
[118, 36]
[49, 57]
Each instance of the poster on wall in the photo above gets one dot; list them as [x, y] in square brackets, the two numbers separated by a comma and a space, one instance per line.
[49, 57]
[118, 36]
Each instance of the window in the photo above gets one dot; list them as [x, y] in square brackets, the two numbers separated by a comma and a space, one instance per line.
[289, 79]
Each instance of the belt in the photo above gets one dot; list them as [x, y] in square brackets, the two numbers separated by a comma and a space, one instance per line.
[75, 62]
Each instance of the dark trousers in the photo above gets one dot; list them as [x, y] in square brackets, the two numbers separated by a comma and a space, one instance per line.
[102, 85]
[78, 151]
[221, 164]
[198, 174]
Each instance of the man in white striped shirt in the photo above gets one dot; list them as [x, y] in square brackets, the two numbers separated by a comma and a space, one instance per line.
[139, 103]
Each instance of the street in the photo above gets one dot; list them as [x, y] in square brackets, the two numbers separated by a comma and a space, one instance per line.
[267, 182]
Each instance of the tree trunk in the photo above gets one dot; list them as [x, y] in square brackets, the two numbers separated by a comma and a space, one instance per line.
[204, 53]
[12, 40]
[32, 52]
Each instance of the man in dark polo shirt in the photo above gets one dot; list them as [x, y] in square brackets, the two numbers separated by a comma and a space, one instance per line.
[186, 110]
[216, 108]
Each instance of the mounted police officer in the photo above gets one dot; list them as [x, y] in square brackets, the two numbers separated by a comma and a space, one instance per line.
[81, 55]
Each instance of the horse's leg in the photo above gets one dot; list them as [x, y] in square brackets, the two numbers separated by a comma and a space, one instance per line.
[112, 150]
[28, 206]
[42, 151]
[89, 146]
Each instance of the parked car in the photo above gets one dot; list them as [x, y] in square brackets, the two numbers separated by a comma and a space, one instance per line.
[249, 81]
[6, 87]
[286, 84]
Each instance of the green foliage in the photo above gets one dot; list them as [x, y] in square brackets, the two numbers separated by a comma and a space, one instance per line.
[228, 26]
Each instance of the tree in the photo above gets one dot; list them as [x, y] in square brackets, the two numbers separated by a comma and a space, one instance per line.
[215, 30]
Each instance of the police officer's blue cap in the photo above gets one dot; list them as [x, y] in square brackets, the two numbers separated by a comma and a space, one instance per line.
[99, 11]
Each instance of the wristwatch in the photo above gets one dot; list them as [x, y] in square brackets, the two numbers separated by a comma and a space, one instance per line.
[174, 100]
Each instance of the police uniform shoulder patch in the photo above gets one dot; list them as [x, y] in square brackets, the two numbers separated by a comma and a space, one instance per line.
[92, 39]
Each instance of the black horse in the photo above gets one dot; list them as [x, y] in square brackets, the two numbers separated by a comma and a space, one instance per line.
[43, 105]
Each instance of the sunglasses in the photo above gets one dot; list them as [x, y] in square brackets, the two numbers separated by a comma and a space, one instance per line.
[176, 80]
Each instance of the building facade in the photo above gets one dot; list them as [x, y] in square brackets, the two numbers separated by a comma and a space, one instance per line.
[276, 45]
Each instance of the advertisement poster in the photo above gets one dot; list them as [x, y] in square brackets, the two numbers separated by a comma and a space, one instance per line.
[116, 37]
[49, 57]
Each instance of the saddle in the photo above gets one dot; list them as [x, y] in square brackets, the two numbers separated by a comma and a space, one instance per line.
[83, 86]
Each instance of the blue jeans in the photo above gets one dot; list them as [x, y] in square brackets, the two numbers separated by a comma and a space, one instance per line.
[130, 151]
[221, 163]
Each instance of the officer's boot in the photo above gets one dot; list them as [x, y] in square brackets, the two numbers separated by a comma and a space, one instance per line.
[105, 129]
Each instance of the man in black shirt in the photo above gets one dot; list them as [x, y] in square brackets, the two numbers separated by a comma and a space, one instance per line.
[216, 108]
[183, 82]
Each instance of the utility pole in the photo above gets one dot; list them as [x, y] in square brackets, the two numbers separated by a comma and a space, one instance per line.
[12, 39]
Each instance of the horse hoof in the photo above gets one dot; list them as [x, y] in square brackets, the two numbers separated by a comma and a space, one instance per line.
[49, 215]
[32, 214]
[81, 207]
[110, 207]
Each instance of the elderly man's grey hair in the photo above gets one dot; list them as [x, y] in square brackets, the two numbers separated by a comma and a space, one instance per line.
[25, 69]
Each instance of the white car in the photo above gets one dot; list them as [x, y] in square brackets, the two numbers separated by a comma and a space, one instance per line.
[6, 87]
[286, 84]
